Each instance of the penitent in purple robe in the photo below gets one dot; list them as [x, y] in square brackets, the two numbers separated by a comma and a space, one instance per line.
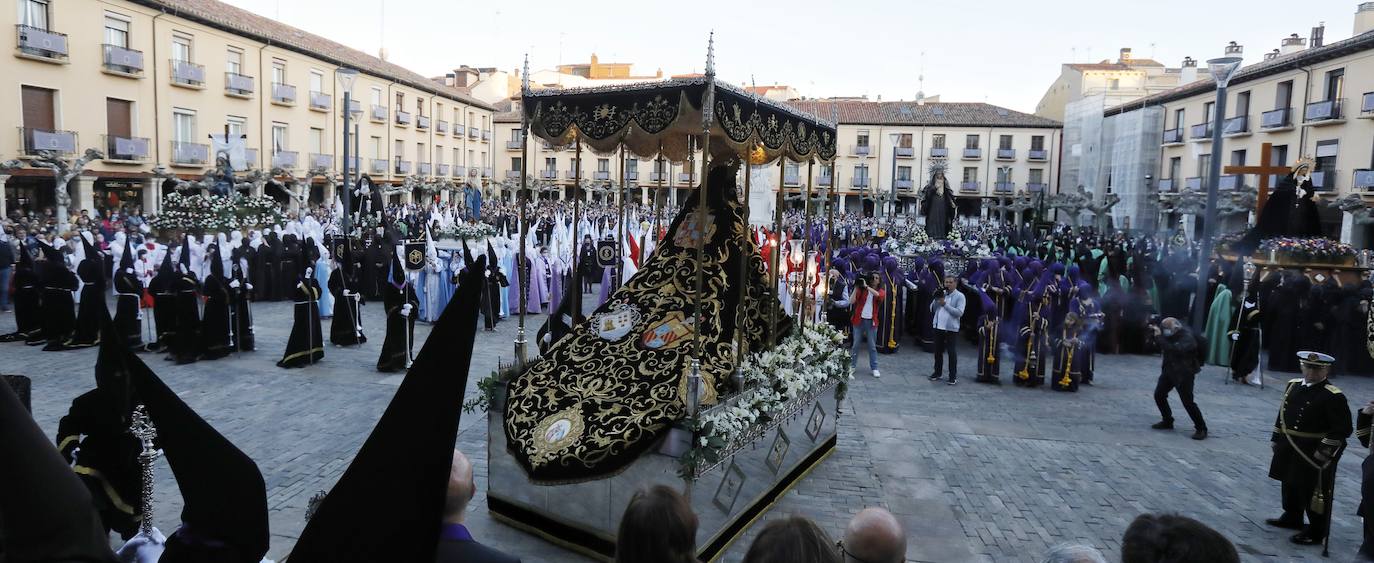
[538, 292]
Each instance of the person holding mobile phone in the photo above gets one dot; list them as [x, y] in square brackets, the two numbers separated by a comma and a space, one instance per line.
[866, 300]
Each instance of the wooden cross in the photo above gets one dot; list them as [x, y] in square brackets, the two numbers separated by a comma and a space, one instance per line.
[1263, 170]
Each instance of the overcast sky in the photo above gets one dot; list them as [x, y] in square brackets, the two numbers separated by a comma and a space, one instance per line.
[1004, 52]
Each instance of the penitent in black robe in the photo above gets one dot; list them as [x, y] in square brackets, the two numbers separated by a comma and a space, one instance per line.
[346, 328]
[243, 310]
[28, 296]
[306, 343]
[185, 345]
[216, 326]
[92, 307]
[400, 329]
[128, 317]
[59, 311]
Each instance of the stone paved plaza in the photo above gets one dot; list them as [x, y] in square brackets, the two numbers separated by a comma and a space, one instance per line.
[976, 473]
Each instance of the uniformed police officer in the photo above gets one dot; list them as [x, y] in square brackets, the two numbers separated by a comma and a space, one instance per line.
[1309, 436]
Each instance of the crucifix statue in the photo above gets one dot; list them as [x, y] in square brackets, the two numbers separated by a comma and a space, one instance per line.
[1264, 170]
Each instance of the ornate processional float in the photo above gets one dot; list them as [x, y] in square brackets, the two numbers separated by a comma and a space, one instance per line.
[689, 374]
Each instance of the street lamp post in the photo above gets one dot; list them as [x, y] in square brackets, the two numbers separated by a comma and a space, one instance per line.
[346, 76]
[1222, 70]
[895, 138]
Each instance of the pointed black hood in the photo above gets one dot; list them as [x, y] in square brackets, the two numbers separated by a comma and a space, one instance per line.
[223, 494]
[467, 256]
[51, 252]
[492, 263]
[46, 514]
[25, 260]
[112, 372]
[216, 261]
[184, 255]
[127, 259]
[92, 253]
[388, 505]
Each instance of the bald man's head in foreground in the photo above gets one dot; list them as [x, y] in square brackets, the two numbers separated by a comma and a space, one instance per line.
[875, 536]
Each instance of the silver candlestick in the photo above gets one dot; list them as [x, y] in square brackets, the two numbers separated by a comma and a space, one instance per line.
[143, 429]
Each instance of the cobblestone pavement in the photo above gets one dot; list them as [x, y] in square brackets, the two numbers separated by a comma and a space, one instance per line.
[976, 473]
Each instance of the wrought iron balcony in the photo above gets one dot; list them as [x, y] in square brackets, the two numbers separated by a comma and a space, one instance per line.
[325, 161]
[903, 184]
[684, 178]
[939, 152]
[1166, 185]
[422, 122]
[658, 176]
[601, 175]
[1367, 105]
[1281, 118]
[41, 43]
[824, 180]
[1325, 180]
[122, 60]
[1228, 182]
[858, 182]
[570, 174]
[34, 140]
[970, 186]
[548, 174]
[1200, 132]
[251, 155]
[1004, 187]
[378, 114]
[190, 154]
[441, 170]
[904, 152]
[378, 165]
[632, 176]
[473, 132]
[515, 144]
[1238, 125]
[1324, 111]
[236, 84]
[441, 127]
[486, 172]
[283, 94]
[862, 150]
[1172, 136]
[403, 118]
[1193, 183]
[355, 109]
[486, 135]
[321, 101]
[424, 169]
[354, 164]
[459, 171]
[1364, 180]
[973, 153]
[1036, 187]
[1006, 154]
[285, 159]
[1037, 155]
[187, 73]
[512, 174]
[791, 179]
[401, 168]
[129, 149]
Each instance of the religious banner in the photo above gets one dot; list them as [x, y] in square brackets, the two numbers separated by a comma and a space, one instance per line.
[414, 255]
[606, 253]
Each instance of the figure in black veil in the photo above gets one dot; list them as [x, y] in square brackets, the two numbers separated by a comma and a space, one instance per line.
[937, 205]
[1290, 211]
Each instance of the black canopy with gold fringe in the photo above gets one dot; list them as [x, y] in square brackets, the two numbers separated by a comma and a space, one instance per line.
[606, 392]
[653, 118]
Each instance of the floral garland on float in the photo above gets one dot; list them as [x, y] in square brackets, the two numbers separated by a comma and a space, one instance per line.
[467, 231]
[775, 385]
[200, 214]
[1308, 250]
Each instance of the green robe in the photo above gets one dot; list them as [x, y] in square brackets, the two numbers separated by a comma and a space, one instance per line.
[1219, 320]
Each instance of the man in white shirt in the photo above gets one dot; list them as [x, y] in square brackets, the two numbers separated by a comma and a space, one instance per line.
[866, 300]
[948, 307]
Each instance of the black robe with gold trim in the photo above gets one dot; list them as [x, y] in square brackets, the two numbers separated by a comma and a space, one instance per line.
[1312, 420]
[107, 460]
[306, 344]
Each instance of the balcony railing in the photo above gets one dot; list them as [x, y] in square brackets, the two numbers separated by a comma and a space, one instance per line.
[632, 176]
[41, 43]
[939, 152]
[1364, 180]
[422, 122]
[1367, 105]
[1036, 187]
[355, 164]
[1325, 180]
[1325, 110]
[251, 155]
[858, 182]
[486, 135]
[684, 178]
[862, 150]
[512, 174]
[355, 109]
[1166, 185]
[377, 165]
[1238, 125]
[424, 169]
[824, 180]
[791, 179]
[1228, 182]
[548, 174]
[190, 154]
[1281, 118]
[325, 161]
[321, 101]
[904, 152]
[283, 93]
[903, 184]
[378, 113]
[473, 132]
[285, 159]
[131, 149]
[1006, 154]
[1004, 187]
[459, 171]
[1193, 183]
[187, 73]
[1172, 136]
[514, 144]
[658, 177]
[570, 174]
[441, 170]
[486, 172]
[601, 175]
[122, 60]
[1038, 155]
[1201, 132]
[236, 84]
[441, 127]
[401, 168]
[403, 118]
[969, 186]
[34, 140]
[973, 153]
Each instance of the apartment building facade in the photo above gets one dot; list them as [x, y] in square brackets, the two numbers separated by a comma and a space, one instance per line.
[148, 81]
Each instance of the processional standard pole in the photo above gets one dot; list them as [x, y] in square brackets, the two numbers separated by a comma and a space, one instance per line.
[577, 218]
[621, 227]
[776, 243]
[522, 200]
[806, 248]
[740, 351]
[707, 116]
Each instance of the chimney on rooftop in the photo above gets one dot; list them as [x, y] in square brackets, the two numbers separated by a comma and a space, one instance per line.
[1318, 35]
[1292, 44]
[1271, 55]
[1234, 50]
[1364, 18]
[1188, 73]
[1125, 57]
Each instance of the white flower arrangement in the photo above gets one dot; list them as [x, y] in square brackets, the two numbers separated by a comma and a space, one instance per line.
[210, 213]
[772, 380]
[468, 231]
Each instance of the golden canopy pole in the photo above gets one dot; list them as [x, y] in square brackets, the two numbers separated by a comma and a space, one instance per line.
[707, 116]
[829, 233]
[743, 265]
[806, 248]
[658, 191]
[621, 228]
[522, 199]
[577, 219]
[777, 249]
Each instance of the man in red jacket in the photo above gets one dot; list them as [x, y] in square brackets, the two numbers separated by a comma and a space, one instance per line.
[866, 300]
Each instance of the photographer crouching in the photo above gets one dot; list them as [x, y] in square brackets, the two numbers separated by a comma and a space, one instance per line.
[1181, 363]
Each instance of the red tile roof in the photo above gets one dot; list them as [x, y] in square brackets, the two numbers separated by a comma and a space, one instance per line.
[863, 112]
